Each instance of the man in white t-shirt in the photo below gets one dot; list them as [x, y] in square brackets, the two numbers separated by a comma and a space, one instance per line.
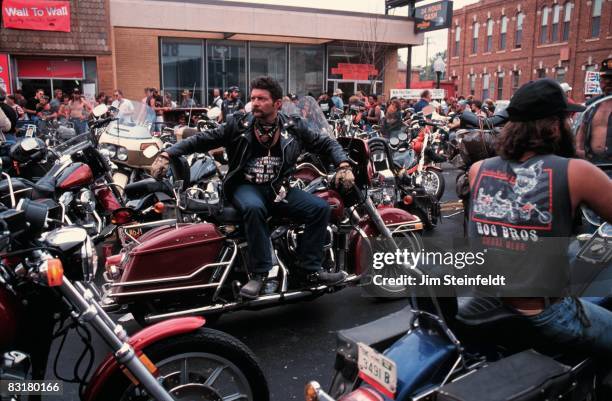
[125, 106]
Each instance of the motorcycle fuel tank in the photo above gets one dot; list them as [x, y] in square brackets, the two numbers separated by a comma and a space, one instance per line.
[74, 176]
[334, 200]
[174, 253]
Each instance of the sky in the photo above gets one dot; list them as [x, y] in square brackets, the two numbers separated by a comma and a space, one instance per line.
[437, 39]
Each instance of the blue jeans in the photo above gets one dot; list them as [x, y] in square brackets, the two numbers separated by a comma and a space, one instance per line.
[256, 204]
[80, 126]
[577, 323]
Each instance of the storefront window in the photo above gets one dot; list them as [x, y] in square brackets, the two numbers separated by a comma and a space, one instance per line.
[269, 59]
[339, 56]
[49, 74]
[182, 68]
[306, 69]
[227, 65]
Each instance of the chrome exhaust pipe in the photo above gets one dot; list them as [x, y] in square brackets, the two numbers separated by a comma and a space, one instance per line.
[261, 301]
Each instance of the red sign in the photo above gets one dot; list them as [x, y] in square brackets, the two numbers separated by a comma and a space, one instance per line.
[36, 15]
[358, 72]
[5, 78]
[50, 68]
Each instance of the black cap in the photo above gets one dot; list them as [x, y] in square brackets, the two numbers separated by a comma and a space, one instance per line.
[234, 89]
[606, 67]
[540, 99]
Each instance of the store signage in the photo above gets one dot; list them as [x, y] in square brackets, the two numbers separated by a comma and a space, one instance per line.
[416, 93]
[42, 68]
[5, 78]
[36, 15]
[591, 83]
[433, 16]
[355, 72]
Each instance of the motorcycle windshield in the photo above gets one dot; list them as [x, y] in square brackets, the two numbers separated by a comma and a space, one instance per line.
[135, 119]
[405, 159]
[308, 108]
[73, 145]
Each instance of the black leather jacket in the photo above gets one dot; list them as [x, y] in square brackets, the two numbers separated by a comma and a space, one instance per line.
[471, 120]
[236, 135]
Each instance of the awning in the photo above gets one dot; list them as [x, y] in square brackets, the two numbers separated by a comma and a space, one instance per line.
[37, 68]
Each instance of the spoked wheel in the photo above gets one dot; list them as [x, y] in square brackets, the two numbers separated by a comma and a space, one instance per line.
[411, 241]
[433, 183]
[206, 365]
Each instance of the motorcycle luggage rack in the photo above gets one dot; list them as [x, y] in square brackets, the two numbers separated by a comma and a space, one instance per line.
[227, 265]
[404, 227]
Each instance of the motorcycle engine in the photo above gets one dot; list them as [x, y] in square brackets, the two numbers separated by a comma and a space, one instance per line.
[294, 235]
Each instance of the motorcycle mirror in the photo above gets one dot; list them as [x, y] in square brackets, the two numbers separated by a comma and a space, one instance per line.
[150, 151]
[99, 110]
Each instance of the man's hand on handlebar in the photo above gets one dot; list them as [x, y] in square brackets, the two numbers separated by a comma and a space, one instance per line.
[159, 168]
[344, 176]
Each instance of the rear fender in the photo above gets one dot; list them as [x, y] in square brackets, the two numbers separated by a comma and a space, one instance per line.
[433, 167]
[423, 359]
[139, 341]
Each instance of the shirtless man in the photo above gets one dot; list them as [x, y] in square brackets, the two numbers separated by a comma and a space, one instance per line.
[79, 109]
[594, 138]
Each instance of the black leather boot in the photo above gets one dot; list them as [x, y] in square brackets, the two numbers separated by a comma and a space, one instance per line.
[326, 278]
[252, 289]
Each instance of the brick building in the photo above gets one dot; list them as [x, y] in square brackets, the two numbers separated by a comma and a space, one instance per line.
[494, 46]
[64, 60]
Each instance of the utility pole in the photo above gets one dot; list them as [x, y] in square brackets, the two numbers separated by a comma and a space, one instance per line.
[411, 13]
[427, 41]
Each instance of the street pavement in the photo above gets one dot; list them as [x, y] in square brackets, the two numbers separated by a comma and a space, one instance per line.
[294, 343]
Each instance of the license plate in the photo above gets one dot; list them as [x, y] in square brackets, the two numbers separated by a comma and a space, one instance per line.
[377, 370]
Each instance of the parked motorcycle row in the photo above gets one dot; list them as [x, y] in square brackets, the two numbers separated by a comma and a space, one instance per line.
[66, 198]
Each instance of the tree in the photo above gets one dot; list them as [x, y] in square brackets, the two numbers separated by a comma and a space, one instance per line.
[428, 73]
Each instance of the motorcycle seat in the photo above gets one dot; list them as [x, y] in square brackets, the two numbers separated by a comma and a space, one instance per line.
[141, 188]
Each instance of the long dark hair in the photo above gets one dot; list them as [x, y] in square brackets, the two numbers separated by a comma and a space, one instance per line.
[551, 135]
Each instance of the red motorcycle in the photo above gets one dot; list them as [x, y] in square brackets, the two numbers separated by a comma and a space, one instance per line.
[198, 269]
[45, 282]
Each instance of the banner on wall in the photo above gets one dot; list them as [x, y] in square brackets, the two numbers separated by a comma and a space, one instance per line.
[591, 83]
[416, 93]
[5, 77]
[36, 15]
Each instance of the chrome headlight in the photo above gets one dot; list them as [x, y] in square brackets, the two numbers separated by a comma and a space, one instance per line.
[122, 153]
[87, 199]
[111, 149]
[89, 259]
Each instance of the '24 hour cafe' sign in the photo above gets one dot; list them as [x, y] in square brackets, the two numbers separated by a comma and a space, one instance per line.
[36, 15]
[433, 16]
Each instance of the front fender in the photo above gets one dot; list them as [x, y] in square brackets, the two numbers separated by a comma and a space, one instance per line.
[394, 218]
[139, 341]
[433, 167]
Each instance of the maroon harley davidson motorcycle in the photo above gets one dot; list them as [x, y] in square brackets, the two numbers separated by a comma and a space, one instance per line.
[46, 291]
[198, 269]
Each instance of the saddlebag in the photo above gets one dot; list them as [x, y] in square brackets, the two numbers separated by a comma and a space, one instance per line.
[526, 376]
